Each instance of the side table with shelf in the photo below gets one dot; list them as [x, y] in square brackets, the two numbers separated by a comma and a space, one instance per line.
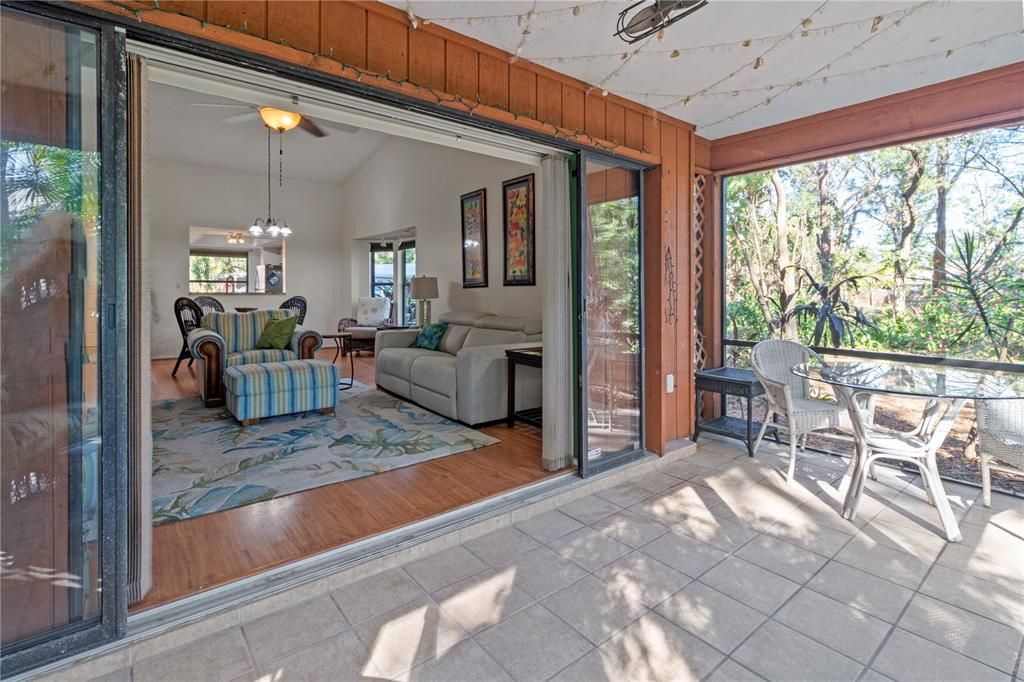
[728, 381]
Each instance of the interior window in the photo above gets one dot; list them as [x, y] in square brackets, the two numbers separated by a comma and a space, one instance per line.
[218, 273]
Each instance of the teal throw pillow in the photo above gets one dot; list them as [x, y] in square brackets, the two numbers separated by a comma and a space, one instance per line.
[278, 333]
[429, 337]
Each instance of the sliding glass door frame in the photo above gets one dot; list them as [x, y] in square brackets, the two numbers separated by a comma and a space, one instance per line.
[579, 250]
[66, 640]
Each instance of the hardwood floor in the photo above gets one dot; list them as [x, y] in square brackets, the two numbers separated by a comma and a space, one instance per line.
[197, 554]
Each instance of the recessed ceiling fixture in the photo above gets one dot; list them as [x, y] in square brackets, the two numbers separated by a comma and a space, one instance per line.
[636, 24]
[274, 227]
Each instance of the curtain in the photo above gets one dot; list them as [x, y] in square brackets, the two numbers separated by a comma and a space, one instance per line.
[557, 391]
[140, 436]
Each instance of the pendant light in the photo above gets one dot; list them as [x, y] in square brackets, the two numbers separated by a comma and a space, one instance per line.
[273, 227]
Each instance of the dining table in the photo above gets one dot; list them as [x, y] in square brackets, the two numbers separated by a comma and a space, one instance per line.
[936, 386]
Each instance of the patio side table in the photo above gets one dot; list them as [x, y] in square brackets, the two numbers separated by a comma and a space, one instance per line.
[728, 381]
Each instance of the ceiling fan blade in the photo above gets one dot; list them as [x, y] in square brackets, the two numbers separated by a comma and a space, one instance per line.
[241, 118]
[220, 104]
[310, 126]
[340, 127]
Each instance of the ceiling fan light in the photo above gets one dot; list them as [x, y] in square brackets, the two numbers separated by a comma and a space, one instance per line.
[279, 119]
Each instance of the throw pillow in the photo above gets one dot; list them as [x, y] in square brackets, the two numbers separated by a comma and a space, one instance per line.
[373, 312]
[278, 333]
[429, 337]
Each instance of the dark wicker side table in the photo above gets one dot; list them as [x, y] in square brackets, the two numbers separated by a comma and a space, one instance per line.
[728, 381]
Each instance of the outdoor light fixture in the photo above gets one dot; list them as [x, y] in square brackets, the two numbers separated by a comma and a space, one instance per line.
[635, 25]
[273, 227]
[279, 119]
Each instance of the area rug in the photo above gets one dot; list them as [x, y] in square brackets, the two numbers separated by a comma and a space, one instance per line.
[204, 461]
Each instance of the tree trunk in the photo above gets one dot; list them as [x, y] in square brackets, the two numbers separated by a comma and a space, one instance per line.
[787, 269]
[941, 196]
[825, 236]
[904, 233]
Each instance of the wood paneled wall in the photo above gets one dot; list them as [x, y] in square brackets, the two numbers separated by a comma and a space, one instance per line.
[376, 44]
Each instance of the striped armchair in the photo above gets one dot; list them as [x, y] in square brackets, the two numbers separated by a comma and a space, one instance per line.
[229, 339]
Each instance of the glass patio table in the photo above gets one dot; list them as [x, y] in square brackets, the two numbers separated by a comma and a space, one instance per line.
[938, 385]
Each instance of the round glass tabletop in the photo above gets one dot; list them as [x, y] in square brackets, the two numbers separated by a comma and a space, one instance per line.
[908, 378]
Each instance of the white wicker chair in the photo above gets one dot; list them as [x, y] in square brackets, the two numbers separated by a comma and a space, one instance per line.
[789, 396]
[1000, 440]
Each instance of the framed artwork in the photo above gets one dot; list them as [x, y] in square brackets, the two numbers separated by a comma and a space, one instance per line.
[520, 232]
[474, 239]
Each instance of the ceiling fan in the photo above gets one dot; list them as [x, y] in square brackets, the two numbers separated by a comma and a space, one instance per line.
[280, 120]
[659, 15]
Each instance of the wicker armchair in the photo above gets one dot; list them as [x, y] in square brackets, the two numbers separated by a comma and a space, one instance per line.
[209, 304]
[789, 396]
[188, 315]
[1000, 440]
[296, 304]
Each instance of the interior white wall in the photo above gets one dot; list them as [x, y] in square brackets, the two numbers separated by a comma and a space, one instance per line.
[181, 195]
[407, 183]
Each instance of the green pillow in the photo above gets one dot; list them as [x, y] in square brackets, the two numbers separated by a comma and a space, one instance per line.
[429, 337]
[278, 333]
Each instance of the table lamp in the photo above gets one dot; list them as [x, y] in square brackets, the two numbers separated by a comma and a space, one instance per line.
[422, 290]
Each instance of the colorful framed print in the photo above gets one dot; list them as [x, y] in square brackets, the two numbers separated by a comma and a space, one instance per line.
[520, 232]
[474, 239]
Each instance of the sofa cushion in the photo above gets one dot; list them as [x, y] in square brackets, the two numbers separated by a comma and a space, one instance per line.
[512, 324]
[465, 317]
[492, 337]
[249, 357]
[453, 339]
[434, 372]
[241, 331]
[398, 361]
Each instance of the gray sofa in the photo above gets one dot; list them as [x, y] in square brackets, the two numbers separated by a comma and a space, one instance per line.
[467, 377]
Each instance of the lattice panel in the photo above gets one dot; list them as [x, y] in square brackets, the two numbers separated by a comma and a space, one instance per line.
[699, 352]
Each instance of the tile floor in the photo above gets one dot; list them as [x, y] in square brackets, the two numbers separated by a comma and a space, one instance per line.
[712, 569]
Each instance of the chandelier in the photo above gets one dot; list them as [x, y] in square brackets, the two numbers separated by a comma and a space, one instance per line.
[273, 227]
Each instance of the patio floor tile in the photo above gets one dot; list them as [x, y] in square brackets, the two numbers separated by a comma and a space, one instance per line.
[909, 658]
[444, 568]
[718, 619]
[630, 528]
[731, 671]
[722, 534]
[479, 602]
[533, 644]
[868, 554]
[683, 554]
[780, 557]
[502, 546]
[589, 548]
[653, 648]
[550, 525]
[590, 509]
[595, 609]
[750, 584]
[990, 642]
[465, 661]
[777, 652]
[836, 625]
[643, 579]
[375, 595]
[853, 587]
[223, 656]
[280, 633]
[542, 571]
[998, 602]
[342, 656]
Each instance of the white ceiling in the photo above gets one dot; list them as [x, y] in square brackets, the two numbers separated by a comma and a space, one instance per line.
[182, 132]
[907, 49]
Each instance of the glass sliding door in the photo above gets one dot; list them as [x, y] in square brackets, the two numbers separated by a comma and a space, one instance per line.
[408, 255]
[57, 467]
[611, 362]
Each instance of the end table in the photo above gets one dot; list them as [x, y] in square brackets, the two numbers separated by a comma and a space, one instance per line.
[738, 382]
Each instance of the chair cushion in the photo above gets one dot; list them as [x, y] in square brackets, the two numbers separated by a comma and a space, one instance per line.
[492, 337]
[434, 372]
[366, 333]
[398, 361]
[372, 312]
[249, 357]
[241, 331]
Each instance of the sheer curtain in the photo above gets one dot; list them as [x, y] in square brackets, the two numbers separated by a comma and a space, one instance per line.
[554, 200]
[140, 433]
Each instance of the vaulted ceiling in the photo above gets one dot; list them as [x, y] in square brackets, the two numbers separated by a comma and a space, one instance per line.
[738, 65]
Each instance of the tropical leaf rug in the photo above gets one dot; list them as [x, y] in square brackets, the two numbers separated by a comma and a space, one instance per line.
[204, 461]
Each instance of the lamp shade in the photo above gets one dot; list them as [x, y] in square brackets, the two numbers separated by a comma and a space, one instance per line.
[423, 288]
[279, 119]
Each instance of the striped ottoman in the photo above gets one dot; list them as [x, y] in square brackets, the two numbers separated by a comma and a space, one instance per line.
[269, 389]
